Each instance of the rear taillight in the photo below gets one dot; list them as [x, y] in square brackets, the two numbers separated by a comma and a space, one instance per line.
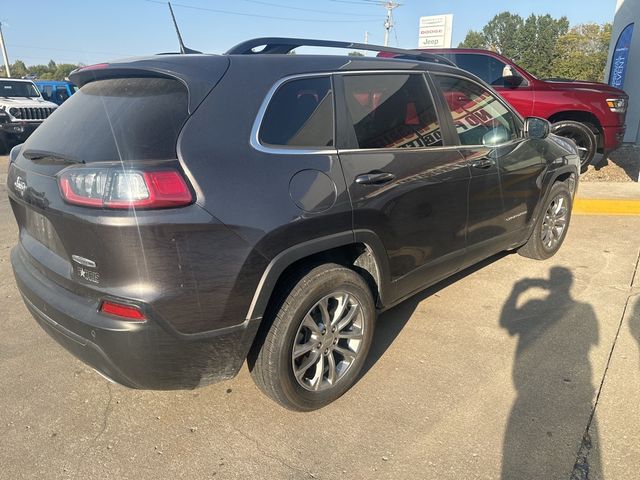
[113, 187]
[126, 312]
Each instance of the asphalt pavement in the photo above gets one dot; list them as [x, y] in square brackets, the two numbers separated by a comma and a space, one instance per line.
[514, 369]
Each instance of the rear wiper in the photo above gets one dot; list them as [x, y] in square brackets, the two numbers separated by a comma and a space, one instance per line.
[45, 155]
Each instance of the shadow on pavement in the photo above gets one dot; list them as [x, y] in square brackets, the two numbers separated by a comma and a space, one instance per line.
[627, 158]
[390, 323]
[634, 323]
[552, 376]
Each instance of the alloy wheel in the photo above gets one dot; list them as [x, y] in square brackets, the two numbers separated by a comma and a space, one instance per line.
[554, 222]
[328, 341]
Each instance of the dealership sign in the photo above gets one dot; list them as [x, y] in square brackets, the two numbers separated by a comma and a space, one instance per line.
[435, 31]
[621, 58]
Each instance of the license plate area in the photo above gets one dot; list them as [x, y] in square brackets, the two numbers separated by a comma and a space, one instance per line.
[40, 228]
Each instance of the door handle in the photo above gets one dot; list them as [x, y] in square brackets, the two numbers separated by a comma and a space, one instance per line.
[374, 178]
[483, 163]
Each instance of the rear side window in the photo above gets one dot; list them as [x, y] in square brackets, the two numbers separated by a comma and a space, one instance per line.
[300, 114]
[391, 111]
[117, 119]
[476, 112]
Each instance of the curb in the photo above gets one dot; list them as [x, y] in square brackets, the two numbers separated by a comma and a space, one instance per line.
[602, 206]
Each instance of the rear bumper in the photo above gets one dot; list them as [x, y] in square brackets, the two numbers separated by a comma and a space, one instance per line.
[135, 354]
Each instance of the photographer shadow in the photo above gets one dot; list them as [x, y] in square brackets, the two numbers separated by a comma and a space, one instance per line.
[552, 376]
[634, 323]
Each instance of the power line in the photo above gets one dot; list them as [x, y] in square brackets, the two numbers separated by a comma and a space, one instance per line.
[255, 15]
[350, 14]
[66, 50]
[356, 2]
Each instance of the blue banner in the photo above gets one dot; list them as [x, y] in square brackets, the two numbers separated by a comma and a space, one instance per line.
[621, 57]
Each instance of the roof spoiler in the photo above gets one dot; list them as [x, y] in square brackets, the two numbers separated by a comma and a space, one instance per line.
[283, 45]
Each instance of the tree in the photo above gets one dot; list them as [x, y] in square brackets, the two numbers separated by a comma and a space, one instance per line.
[473, 39]
[538, 38]
[531, 43]
[581, 53]
[18, 69]
[63, 70]
[502, 34]
[355, 54]
[51, 71]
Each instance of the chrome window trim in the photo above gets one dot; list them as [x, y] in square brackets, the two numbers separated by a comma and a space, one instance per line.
[500, 100]
[281, 149]
[401, 149]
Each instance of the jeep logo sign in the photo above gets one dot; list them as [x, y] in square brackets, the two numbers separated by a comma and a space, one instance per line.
[20, 185]
[435, 31]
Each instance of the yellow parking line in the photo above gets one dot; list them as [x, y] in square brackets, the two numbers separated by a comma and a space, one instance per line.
[601, 206]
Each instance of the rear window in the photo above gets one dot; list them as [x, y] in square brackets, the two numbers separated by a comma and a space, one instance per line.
[117, 119]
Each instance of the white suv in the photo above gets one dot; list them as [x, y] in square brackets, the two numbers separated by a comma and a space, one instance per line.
[22, 109]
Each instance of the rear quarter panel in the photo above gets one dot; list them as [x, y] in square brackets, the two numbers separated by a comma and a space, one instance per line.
[248, 190]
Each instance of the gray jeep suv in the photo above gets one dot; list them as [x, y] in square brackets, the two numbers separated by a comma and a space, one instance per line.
[181, 214]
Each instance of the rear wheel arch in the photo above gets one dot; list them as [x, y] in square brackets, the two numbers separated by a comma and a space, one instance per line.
[364, 257]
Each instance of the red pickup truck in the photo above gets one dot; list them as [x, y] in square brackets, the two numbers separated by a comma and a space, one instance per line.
[591, 114]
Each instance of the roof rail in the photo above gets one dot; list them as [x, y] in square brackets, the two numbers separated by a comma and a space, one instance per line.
[282, 45]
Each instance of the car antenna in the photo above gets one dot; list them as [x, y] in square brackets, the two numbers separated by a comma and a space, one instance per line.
[183, 49]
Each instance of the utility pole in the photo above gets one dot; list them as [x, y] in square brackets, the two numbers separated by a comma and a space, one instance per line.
[388, 23]
[366, 38]
[4, 53]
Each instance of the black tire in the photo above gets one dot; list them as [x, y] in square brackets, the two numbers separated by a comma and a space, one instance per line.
[583, 137]
[271, 360]
[537, 246]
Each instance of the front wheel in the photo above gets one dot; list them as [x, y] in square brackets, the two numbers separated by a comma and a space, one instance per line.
[583, 137]
[316, 343]
[551, 228]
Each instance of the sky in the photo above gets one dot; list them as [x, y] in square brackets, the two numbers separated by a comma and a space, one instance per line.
[91, 31]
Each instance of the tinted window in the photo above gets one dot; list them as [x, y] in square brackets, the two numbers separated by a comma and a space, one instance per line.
[475, 111]
[10, 88]
[62, 93]
[47, 91]
[487, 68]
[300, 114]
[391, 111]
[120, 119]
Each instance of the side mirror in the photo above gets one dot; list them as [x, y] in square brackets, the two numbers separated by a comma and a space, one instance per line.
[495, 136]
[537, 128]
[513, 81]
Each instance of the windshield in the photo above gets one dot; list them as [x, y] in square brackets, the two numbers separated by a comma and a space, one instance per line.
[9, 88]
